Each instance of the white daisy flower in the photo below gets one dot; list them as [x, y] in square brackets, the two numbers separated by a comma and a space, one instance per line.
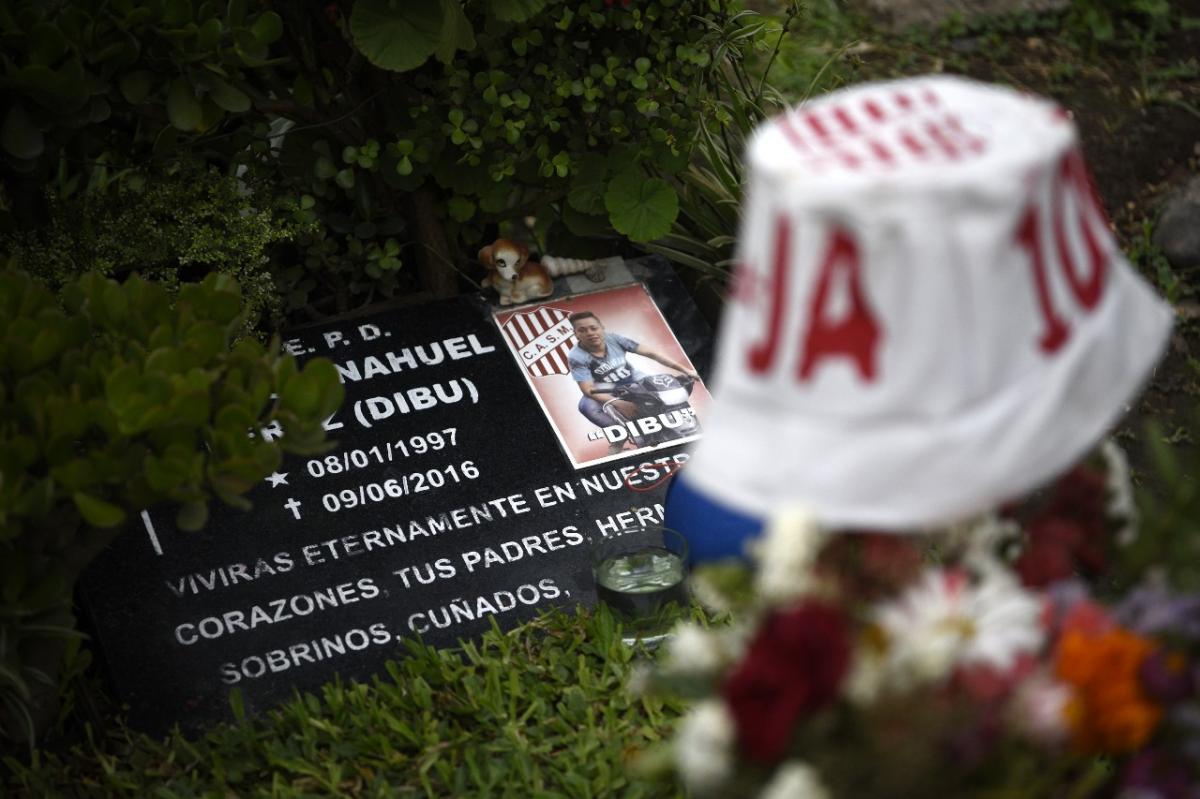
[945, 621]
[703, 746]
[785, 556]
[987, 542]
[691, 649]
[795, 780]
[868, 674]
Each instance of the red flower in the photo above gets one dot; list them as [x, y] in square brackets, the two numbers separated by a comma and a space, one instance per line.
[988, 685]
[1068, 534]
[1081, 495]
[868, 565]
[794, 666]
[1046, 561]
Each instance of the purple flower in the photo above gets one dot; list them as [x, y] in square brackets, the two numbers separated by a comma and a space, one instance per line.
[1153, 774]
[1152, 609]
[1166, 677]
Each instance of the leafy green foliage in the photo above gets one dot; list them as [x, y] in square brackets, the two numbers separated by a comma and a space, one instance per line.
[642, 208]
[499, 114]
[167, 227]
[1169, 537]
[541, 711]
[397, 36]
[1100, 18]
[111, 402]
[68, 65]
[710, 187]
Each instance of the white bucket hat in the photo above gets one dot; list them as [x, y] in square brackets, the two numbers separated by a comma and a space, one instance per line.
[929, 315]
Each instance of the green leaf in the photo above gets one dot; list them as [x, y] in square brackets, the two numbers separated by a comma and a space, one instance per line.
[63, 91]
[136, 86]
[302, 394]
[323, 168]
[19, 136]
[97, 512]
[46, 44]
[48, 344]
[192, 516]
[229, 97]
[516, 10]
[456, 33]
[461, 209]
[397, 36]
[235, 13]
[209, 35]
[183, 109]
[176, 13]
[581, 226]
[268, 27]
[641, 208]
[302, 91]
[237, 704]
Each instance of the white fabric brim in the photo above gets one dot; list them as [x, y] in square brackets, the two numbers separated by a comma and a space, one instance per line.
[903, 475]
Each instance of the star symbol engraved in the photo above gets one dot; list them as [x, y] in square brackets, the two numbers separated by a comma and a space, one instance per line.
[276, 479]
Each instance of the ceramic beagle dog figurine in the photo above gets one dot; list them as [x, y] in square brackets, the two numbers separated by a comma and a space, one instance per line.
[518, 279]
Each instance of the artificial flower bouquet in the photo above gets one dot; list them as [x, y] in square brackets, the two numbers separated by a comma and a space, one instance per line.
[1013, 656]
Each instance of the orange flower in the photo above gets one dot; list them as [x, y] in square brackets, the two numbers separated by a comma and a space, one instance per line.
[1110, 712]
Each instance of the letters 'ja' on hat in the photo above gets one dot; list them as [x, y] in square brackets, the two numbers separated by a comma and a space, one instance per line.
[929, 314]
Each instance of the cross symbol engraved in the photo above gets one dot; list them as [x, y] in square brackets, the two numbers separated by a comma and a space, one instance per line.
[293, 505]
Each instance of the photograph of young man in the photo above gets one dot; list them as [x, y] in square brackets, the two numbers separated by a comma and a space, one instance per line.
[601, 357]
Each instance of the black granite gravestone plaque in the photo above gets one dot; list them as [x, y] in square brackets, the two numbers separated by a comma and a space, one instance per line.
[447, 502]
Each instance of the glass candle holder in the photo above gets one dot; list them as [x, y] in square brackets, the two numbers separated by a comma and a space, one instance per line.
[641, 575]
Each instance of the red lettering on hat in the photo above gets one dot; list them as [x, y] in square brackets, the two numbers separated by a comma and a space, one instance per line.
[817, 125]
[793, 135]
[847, 121]
[854, 336]
[762, 355]
[1071, 175]
[881, 152]
[1055, 332]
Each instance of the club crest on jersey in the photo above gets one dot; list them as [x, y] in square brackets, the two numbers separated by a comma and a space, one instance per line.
[543, 338]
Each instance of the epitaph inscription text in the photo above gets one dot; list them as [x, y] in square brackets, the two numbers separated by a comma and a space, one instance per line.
[446, 503]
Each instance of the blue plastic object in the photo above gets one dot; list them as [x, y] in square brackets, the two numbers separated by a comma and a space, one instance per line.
[713, 530]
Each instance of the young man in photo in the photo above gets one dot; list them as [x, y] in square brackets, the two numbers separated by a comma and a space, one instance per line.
[602, 357]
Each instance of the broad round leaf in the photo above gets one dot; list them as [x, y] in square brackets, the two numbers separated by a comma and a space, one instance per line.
[183, 109]
[135, 86]
[229, 97]
[397, 35]
[177, 13]
[208, 37]
[461, 209]
[456, 33]
[46, 44]
[192, 516]
[268, 27]
[588, 185]
[516, 10]
[20, 137]
[641, 208]
[97, 512]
